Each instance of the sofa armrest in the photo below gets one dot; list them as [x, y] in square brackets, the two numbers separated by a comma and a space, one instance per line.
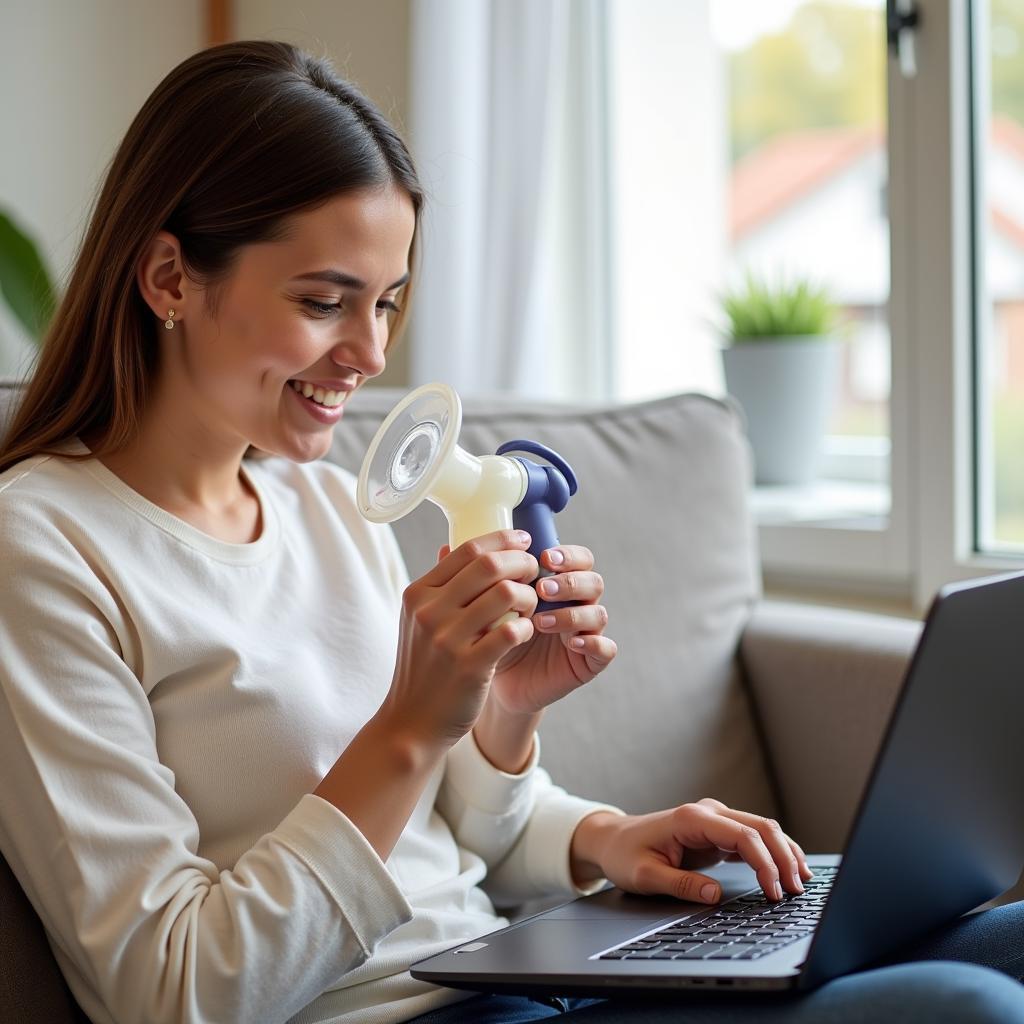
[823, 681]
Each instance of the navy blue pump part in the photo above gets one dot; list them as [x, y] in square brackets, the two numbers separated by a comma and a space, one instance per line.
[548, 491]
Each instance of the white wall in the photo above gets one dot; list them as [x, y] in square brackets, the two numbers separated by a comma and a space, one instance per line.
[366, 40]
[72, 76]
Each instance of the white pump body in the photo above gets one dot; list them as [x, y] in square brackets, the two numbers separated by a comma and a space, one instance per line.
[414, 456]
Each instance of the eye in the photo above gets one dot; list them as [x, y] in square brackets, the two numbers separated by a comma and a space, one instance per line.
[322, 309]
[388, 306]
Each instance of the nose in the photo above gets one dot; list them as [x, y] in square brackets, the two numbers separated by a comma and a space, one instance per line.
[363, 347]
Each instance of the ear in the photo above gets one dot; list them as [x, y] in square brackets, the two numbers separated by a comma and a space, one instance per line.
[161, 277]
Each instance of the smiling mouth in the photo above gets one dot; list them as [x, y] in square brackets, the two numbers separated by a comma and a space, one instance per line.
[322, 396]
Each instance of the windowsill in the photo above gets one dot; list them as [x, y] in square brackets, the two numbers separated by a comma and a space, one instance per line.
[849, 599]
[827, 542]
[842, 504]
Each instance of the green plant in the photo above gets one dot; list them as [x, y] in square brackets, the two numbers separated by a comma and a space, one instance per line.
[759, 309]
[24, 280]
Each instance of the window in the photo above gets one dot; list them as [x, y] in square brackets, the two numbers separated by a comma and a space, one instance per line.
[999, 273]
[749, 135]
[947, 301]
[808, 173]
[906, 189]
[774, 160]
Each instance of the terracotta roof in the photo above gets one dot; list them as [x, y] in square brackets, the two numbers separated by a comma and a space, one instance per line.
[1007, 226]
[1008, 135]
[791, 166]
[788, 167]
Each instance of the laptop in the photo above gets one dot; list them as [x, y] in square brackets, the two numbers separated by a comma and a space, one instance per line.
[939, 832]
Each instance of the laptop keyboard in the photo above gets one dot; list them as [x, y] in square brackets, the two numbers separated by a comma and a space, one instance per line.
[744, 928]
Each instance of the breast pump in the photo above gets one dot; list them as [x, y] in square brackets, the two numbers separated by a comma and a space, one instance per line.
[415, 455]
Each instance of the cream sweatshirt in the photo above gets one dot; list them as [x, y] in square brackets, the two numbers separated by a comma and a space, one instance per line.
[169, 701]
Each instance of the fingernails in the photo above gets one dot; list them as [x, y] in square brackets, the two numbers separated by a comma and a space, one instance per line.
[709, 892]
[577, 642]
[555, 557]
[777, 889]
[524, 537]
[546, 621]
[797, 883]
[549, 587]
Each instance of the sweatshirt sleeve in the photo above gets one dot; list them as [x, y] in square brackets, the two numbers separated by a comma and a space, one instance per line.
[520, 825]
[538, 863]
[144, 928]
[485, 808]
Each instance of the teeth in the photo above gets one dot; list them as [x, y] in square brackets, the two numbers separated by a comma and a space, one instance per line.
[321, 396]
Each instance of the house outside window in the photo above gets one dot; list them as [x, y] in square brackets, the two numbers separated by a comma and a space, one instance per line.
[806, 144]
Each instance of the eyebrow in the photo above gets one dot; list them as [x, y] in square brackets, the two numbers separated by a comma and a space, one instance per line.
[345, 280]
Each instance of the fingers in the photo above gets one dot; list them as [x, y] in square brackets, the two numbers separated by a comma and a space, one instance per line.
[479, 616]
[501, 639]
[461, 576]
[567, 557]
[654, 877]
[591, 618]
[573, 578]
[581, 586]
[572, 565]
[791, 860]
[487, 571]
[501, 540]
[487, 563]
[701, 825]
[600, 651]
[581, 626]
[560, 559]
[805, 869]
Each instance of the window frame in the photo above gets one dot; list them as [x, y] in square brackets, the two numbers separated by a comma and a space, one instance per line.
[945, 395]
[930, 538]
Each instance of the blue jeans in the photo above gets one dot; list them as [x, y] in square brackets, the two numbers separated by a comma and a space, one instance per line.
[967, 973]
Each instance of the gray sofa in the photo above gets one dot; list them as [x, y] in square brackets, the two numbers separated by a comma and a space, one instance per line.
[772, 707]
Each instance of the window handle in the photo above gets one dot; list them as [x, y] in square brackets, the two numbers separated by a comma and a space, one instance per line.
[902, 17]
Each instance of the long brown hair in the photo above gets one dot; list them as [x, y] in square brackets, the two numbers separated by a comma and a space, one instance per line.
[231, 142]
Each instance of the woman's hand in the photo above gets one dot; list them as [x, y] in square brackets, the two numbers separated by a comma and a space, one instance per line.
[662, 853]
[447, 650]
[563, 649]
[568, 647]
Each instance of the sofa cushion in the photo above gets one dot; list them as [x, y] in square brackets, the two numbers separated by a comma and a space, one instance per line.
[31, 985]
[663, 503]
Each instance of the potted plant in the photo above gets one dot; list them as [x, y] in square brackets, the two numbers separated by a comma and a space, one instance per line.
[782, 366]
[26, 289]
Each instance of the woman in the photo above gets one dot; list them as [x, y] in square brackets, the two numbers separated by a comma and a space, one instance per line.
[227, 796]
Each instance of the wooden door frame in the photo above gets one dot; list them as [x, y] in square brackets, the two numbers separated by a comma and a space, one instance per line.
[219, 21]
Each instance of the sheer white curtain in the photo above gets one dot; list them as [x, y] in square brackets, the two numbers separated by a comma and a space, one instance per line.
[507, 128]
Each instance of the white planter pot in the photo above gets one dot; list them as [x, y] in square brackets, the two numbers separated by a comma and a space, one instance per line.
[787, 388]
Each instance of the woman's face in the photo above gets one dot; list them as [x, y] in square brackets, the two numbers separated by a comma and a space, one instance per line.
[299, 324]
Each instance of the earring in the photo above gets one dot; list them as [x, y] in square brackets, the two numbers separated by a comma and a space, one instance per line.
[169, 322]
